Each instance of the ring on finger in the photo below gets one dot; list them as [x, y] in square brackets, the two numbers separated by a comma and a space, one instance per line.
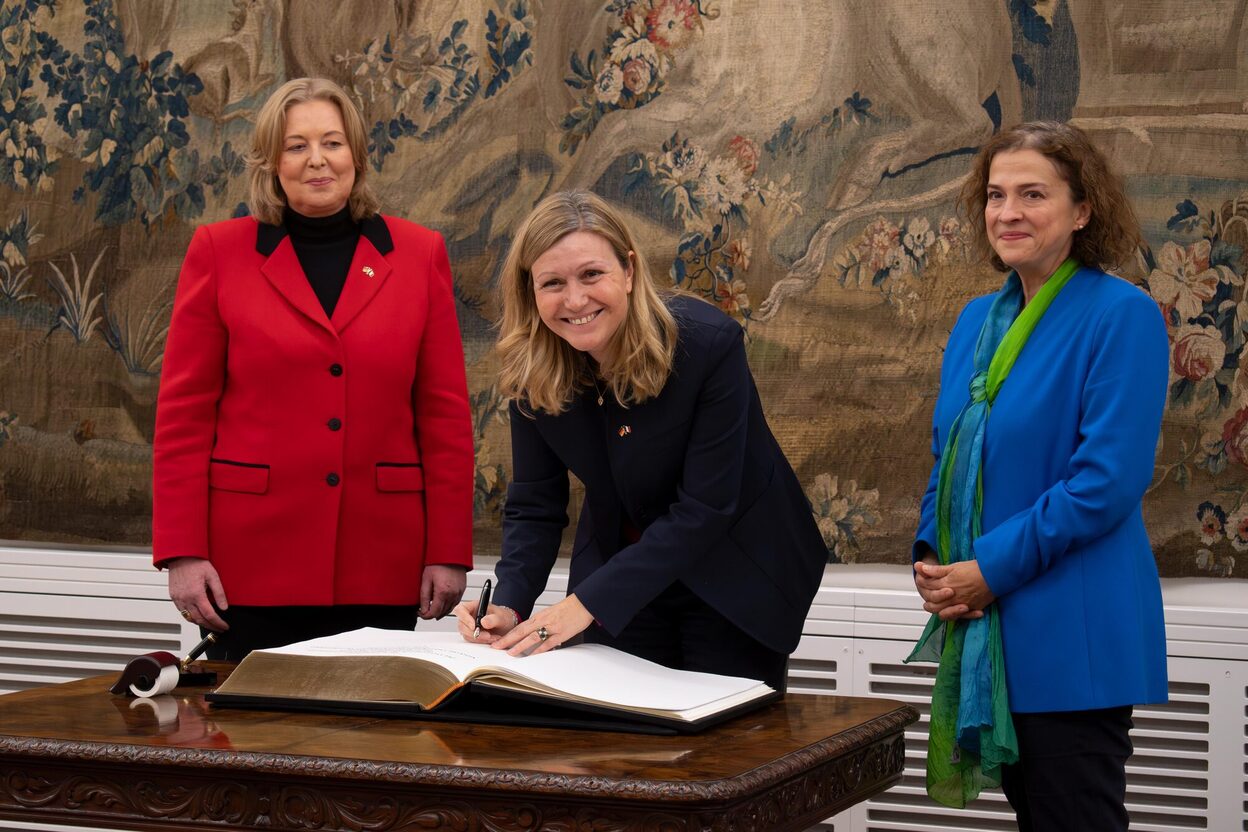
[543, 633]
[185, 614]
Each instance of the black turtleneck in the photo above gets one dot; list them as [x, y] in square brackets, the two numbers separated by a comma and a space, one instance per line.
[325, 247]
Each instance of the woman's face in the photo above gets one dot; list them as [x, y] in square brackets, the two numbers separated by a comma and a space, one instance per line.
[316, 168]
[582, 291]
[1030, 214]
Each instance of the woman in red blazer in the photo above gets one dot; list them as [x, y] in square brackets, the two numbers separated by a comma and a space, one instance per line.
[313, 452]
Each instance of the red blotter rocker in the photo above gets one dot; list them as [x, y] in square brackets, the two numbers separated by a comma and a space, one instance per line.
[161, 671]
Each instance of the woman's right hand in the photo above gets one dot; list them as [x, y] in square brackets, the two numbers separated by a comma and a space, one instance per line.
[194, 587]
[497, 622]
[938, 598]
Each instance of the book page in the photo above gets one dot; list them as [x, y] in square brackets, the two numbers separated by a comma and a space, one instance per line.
[447, 650]
[600, 674]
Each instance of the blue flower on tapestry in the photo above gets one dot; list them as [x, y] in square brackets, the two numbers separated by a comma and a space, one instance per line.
[789, 141]
[8, 423]
[840, 512]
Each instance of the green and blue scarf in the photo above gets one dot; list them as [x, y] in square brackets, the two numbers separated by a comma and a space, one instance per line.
[971, 734]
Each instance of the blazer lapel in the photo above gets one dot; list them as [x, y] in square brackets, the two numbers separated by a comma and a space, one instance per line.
[369, 269]
[283, 271]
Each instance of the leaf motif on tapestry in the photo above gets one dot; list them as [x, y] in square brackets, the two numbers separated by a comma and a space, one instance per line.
[416, 86]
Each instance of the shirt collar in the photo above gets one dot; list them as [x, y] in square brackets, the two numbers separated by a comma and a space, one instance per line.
[374, 228]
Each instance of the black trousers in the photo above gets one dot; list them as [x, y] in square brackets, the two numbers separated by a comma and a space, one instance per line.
[678, 629]
[1071, 773]
[254, 628]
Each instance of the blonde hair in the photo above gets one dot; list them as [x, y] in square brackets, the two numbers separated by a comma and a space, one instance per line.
[1112, 235]
[266, 199]
[542, 369]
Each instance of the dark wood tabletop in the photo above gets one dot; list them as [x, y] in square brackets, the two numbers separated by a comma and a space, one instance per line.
[74, 753]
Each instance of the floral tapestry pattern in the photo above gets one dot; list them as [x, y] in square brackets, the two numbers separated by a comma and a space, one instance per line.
[802, 178]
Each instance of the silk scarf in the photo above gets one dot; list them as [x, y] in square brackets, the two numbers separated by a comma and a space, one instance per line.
[971, 734]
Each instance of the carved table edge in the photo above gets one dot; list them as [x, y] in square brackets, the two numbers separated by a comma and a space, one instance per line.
[52, 751]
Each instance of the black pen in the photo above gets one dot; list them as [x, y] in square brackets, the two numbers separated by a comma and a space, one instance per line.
[482, 606]
[211, 638]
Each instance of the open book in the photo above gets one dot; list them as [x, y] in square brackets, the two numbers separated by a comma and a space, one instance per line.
[398, 672]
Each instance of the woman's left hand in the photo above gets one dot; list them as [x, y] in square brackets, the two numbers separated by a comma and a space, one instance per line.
[560, 622]
[441, 587]
[970, 591]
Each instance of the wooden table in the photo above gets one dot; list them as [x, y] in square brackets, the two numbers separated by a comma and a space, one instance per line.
[73, 753]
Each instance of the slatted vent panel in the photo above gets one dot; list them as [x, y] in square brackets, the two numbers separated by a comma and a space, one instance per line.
[46, 640]
[1170, 786]
[1168, 775]
[821, 664]
[879, 671]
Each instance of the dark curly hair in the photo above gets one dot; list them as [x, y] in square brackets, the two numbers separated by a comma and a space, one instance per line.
[1112, 235]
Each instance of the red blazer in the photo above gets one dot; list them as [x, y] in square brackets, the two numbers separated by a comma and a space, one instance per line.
[314, 460]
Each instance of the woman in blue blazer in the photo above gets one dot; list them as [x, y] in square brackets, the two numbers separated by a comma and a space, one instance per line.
[1060, 554]
[695, 546]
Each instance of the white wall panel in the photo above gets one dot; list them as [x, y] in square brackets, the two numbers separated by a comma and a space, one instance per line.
[65, 615]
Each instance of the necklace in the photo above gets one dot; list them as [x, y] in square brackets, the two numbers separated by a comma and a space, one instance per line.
[600, 391]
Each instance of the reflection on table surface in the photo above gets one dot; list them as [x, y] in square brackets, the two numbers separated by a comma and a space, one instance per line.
[85, 711]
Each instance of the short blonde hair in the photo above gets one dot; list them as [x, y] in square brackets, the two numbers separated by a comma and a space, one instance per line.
[543, 370]
[1112, 235]
[266, 200]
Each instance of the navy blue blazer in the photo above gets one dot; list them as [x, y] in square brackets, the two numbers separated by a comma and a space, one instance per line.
[695, 469]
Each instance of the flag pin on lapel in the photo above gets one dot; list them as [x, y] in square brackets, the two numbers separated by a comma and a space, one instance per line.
[624, 430]
[368, 271]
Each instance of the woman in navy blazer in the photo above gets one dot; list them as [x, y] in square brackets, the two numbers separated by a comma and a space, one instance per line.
[695, 546]
[1067, 456]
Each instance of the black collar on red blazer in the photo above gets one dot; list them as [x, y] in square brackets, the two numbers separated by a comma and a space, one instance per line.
[268, 237]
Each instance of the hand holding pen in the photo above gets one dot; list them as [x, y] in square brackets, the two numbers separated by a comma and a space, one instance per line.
[482, 622]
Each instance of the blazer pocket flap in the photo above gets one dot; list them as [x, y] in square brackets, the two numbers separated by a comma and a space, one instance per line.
[233, 476]
[400, 477]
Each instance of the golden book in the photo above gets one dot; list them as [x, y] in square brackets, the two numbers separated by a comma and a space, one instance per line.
[406, 673]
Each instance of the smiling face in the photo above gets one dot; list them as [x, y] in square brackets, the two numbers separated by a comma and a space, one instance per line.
[581, 290]
[1030, 214]
[316, 168]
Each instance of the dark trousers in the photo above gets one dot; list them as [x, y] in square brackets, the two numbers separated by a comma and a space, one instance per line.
[1071, 773]
[254, 628]
[678, 629]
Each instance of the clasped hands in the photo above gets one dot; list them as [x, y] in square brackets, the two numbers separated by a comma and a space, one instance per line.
[954, 591]
[500, 630]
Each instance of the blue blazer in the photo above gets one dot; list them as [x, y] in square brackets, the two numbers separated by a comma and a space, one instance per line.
[1068, 455]
[696, 470]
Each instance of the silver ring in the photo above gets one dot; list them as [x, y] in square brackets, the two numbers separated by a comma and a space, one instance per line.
[542, 633]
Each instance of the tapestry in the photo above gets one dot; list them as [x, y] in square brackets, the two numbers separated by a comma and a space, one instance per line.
[794, 163]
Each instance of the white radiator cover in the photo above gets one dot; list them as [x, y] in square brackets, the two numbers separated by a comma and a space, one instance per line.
[69, 614]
